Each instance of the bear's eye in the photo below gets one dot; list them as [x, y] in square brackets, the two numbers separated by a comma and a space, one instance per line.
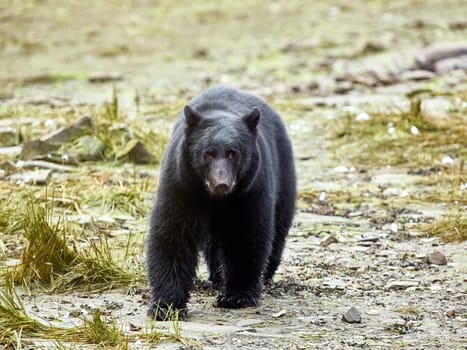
[209, 155]
[231, 154]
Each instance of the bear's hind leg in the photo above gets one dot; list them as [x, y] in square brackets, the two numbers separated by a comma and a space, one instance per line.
[283, 221]
[211, 253]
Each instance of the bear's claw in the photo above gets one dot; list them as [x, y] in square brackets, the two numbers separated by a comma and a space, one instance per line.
[235, 301]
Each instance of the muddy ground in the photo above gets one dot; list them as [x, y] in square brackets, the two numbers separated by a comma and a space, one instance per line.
[377, 176]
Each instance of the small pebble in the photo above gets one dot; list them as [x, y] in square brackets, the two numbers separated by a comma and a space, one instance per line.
[361, 117]
[447, 160]
[352, 316]
[322, 196]
[414, 130]
[451, 313]
[341, 169]
[279, 314]
[328, 241]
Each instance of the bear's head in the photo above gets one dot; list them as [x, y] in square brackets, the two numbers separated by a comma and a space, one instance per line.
[222, 148]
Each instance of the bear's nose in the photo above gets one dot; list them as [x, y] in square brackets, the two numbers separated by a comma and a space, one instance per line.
[221, 188]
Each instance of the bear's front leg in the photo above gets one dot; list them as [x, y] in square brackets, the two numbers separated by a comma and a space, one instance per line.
[244, 252]
[171, 259]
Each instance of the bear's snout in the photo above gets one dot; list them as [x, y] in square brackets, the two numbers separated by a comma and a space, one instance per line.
[220, 181]
[220, 187]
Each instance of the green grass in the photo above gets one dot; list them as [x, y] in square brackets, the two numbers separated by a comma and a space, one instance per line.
[53, 259]
[97, 330]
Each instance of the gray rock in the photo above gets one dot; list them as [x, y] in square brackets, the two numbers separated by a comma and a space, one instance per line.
[7, 165]
[34, 148]
[333, 283]
[428, 56]
[328, 241]
[12, 151]
[402, 284]
[343, 87]
[318, 320]
[136, 152]
[89, 148]
[83, 126]
[35, 177]
[352, 316]
[417, 75]
[8, 137]
[449, 64]
[437, 258]
[40, 164]
[369, 239]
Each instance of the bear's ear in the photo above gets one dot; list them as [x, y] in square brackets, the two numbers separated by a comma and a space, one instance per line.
[192, 117]
[252, 119]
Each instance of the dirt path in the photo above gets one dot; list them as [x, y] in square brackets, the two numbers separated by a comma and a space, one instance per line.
[373, 172]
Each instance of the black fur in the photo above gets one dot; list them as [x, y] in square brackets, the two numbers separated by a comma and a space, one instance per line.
[227, 187]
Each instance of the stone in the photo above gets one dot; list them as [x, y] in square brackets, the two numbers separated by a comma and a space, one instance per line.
[451, 313]
[35, 177]
[83, 126]
[334, 283]
[428, 56]
[279, 314]
[12, 151]
[7, 165]
[43, 150]
[328, 241]
[8, 136]
[40, 164]
[51, 147]
[352, 316]
[402, 284]
[449, 64]
[417, 75]
[89, 148]
[343, 87]
[35, 148]
[136, 152]
[437, 258]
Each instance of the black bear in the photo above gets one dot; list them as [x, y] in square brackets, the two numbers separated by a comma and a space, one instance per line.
[227, 186]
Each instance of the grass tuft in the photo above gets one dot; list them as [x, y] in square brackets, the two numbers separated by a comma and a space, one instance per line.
[452, 228]
[97, 330]
[13, 316]
[52, 259]
[47, 252]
